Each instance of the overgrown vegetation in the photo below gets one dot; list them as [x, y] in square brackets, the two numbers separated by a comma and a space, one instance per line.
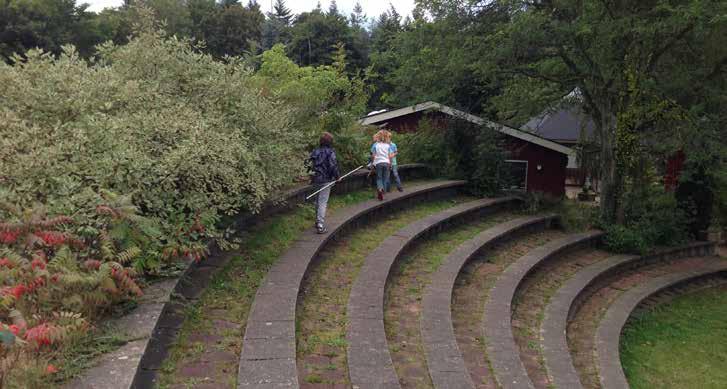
[459, 149]
[136, 157]
[652, 218]
[57, 276]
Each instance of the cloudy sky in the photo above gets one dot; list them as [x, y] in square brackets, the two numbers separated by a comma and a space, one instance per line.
[371, 7]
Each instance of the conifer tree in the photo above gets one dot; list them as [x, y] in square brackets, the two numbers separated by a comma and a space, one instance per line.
[281, 12]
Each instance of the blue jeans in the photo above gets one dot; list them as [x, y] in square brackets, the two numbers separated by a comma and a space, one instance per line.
[322, 205]
[397, 180]
[382, 175]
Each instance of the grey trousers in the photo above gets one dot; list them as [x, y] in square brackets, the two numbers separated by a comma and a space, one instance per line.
[322, 205]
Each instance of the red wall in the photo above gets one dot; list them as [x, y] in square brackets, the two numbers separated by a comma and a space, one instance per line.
[550, 179]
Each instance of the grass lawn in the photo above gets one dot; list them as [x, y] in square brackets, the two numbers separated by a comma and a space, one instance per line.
[682, 344]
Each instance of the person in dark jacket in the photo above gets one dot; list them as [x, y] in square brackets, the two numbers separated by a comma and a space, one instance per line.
[325, 170]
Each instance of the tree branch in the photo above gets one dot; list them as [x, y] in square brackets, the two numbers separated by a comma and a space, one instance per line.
[656, 55]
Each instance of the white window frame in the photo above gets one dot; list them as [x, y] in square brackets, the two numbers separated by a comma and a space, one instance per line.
[527, 166]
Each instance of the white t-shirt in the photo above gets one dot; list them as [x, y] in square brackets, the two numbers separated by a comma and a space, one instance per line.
[381, 152]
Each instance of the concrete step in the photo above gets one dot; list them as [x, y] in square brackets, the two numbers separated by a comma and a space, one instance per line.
[369, 360]
[268, 353]
[445, 362]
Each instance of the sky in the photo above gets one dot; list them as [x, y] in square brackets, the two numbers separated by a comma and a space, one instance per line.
[372, 8]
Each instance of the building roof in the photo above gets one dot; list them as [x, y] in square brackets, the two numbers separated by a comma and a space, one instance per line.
[562, 124]
[377, 118]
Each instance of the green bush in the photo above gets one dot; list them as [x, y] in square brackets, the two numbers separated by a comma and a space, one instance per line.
[576, 216]
[652, 218]
[622, 239]
[459, 149]
[322, 98]
[188, 137]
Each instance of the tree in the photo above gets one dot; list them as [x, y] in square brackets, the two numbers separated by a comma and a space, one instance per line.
[333, 9]
[282, 13]
[276, 28]
[359, 47]
[619, 56]
[314, 35]
[236, 30]
[357, 18]
[432, 60]
[174, 14]
[46, 24]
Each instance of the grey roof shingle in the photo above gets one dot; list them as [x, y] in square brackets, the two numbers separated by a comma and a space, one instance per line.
[562, 124]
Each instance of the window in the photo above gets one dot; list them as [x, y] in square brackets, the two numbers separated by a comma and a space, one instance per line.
[515, 175]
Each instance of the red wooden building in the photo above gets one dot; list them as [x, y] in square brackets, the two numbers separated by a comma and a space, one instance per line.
[539, 164]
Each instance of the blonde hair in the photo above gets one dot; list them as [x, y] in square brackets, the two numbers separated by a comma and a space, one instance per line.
[381, 136]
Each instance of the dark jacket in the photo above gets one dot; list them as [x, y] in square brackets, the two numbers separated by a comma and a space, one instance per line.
[324, 167]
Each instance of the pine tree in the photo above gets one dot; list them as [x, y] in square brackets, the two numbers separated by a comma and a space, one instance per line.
[333, 8]
[357, 16]
[281, 12]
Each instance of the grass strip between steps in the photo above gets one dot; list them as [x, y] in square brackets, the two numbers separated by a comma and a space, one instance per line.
[214, 325]
[681, 344]
[471, 292]
[532, 298]
[321, 317]
[406, 285]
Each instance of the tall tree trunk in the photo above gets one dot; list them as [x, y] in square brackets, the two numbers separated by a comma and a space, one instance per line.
[611, 176]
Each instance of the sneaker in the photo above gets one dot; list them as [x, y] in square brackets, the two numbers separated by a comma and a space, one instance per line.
[321, 229]
[400, 189]
[380, 195]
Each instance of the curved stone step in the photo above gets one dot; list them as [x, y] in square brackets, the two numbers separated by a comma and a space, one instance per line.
[502, 350]
[557, 357]
[146, 360]
[446, 366]
[369, 360]
[268, 351]
[609, 330]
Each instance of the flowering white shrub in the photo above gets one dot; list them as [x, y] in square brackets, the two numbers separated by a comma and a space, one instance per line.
[186, 136]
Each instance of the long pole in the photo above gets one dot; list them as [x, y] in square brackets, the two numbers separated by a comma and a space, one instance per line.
[330, 184]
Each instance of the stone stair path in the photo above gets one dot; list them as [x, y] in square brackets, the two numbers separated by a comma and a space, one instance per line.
[268, 357]
[573, 316]
[531, 299]
[502, 349]
[369, 360]
[566, 301]
[472, 289]
[446, 365]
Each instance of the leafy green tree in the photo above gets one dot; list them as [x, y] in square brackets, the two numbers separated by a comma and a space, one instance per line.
[46, 24]
[282, 13]
[314, 35]
[620, 57]
[323, 98]
[384, 58]
[203, 15]
[434, 60]
[174, 13]
[359, 42]
[357, 18]
[236, 30]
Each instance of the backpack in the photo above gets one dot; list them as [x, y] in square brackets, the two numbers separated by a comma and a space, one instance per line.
[322, 166]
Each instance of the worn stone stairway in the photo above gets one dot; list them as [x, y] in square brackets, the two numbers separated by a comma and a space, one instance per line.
[520, 304]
